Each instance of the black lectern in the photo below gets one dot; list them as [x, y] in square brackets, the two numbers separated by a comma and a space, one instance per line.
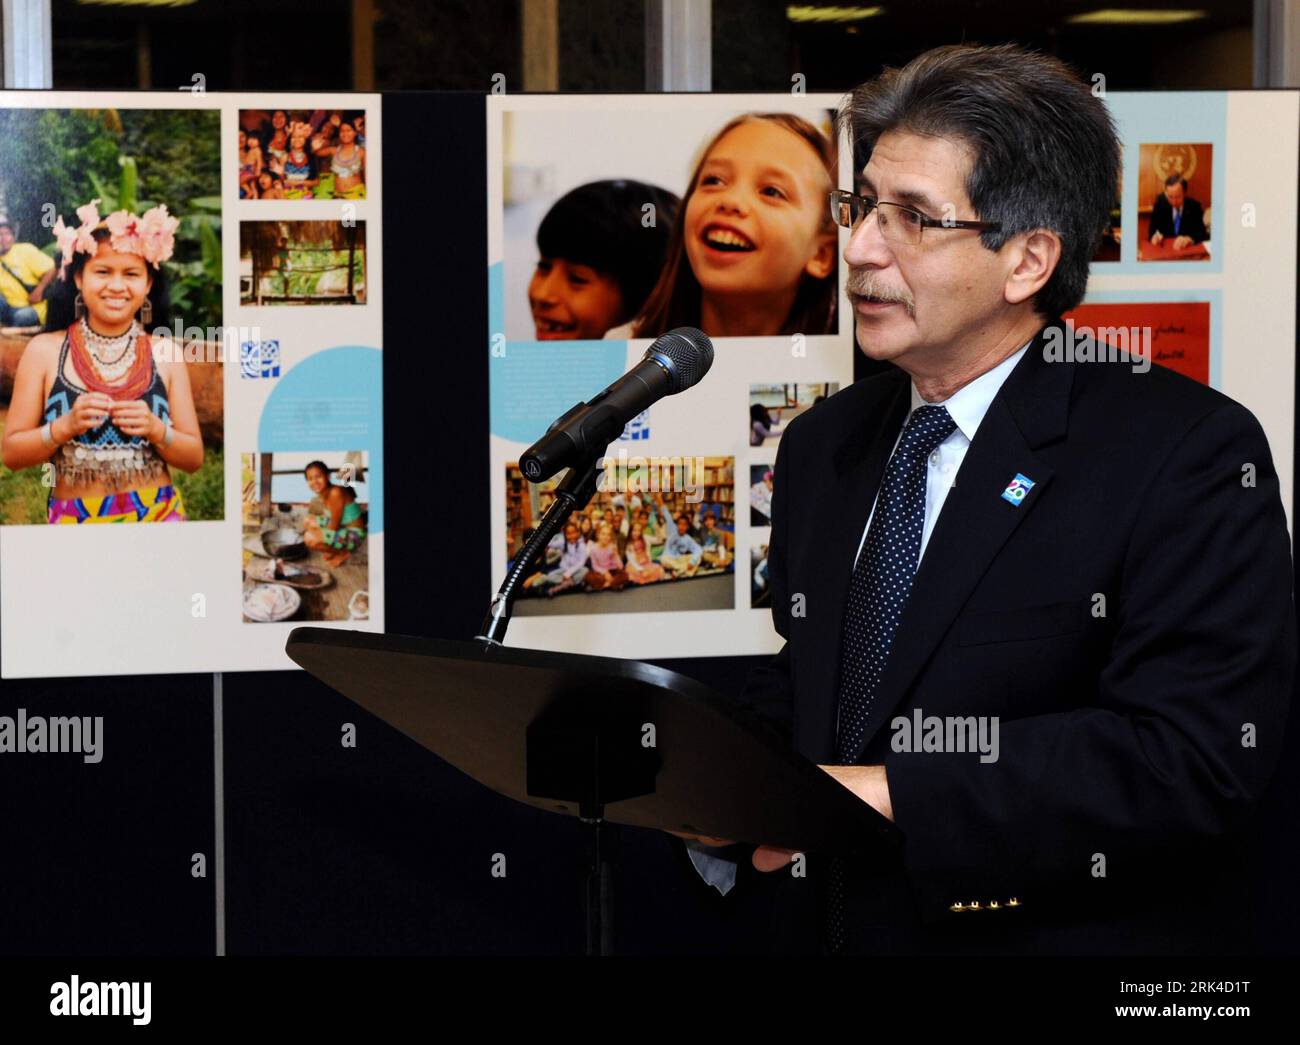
[595, 737]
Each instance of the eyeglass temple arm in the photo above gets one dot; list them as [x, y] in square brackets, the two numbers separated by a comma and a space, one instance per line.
[841, 196]
[940, 223]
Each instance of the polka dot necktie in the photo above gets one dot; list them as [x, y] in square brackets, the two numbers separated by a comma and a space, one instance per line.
[878, 590]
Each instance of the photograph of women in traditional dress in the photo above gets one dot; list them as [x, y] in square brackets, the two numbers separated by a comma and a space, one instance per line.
[302, 154]
[105, 417]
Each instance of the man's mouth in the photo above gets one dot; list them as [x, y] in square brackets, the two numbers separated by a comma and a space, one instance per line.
[725, 238]
[870, 303]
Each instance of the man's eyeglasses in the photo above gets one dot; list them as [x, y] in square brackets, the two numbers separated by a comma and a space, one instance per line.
[898, 224]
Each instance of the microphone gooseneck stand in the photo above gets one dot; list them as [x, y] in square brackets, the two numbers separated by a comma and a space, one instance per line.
[576, 489]
[573, 761]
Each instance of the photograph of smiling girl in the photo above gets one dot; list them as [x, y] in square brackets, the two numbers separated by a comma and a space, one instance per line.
[598, 243]
[115, 219]
[754, 251]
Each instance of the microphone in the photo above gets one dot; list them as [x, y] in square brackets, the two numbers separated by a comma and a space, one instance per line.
[674, 363]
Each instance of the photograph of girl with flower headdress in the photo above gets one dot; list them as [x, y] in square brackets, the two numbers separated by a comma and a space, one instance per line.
[100, 411]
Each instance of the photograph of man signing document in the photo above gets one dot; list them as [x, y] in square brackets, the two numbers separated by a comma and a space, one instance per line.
[1086, 563]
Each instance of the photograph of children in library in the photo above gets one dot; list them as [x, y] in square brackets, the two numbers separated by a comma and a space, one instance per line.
[302, 263]
[772, 407]
[302, 154]
[305, 521]
[727, 227]
[110, 242]
[659, 537]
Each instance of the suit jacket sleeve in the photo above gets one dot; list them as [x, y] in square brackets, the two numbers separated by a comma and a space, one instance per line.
[1161, 214]
[1187, 722]
[1195, 213]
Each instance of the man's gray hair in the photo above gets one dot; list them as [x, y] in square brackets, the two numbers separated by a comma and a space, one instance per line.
[1045, 153]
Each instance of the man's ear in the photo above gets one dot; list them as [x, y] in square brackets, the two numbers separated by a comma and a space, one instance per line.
[1038, 255]
[822, 263]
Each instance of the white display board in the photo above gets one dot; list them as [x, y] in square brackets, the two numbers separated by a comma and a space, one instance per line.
[297, 379]
[1221, 309]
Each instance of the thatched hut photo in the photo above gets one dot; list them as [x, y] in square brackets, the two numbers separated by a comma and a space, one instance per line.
[302, 263]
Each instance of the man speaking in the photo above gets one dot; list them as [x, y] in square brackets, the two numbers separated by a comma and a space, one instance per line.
[1087, 562]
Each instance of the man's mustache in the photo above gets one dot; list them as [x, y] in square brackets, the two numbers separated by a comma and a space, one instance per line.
[864, 283]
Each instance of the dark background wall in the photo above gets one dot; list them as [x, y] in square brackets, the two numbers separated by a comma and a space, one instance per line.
[381, 848]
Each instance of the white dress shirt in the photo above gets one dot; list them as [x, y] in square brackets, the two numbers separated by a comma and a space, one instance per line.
[967, 407]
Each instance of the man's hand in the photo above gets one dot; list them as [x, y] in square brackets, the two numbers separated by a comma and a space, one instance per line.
[1157, 238]
[1182, 242]
[869, 783]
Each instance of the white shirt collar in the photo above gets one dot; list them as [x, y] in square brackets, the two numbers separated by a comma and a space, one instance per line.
[971, 402]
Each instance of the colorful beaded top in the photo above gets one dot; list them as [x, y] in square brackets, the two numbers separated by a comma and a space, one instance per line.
[106, 454]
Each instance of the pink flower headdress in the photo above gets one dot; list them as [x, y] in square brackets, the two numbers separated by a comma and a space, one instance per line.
[152, 235]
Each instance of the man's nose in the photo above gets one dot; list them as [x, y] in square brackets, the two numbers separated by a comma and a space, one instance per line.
[866, 246]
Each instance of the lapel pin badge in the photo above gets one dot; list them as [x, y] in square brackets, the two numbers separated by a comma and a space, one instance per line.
[1017, 489]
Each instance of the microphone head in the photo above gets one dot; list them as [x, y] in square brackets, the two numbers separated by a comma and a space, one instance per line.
[686, 353]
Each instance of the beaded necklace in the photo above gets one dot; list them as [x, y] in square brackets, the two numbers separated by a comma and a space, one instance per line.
[99, 370]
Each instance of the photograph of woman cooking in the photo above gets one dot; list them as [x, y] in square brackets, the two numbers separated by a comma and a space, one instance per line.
[306, 519]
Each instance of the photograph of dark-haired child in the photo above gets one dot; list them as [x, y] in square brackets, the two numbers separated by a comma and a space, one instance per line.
[598, 258]
[305, 523]
[772, 407]
[749, 249]
[308, 154]
[1174, 190]
[642, 545]
[760, 495]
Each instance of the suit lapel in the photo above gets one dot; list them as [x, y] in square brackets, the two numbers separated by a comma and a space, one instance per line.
[859, 464]
[1029, 411]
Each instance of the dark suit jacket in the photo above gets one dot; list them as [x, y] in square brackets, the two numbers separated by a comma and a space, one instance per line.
[1192, 223]
[1139, 730]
